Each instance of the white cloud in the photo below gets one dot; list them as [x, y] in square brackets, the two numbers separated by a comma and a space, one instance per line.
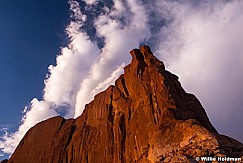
[199, 41]
[76, 12]
[204, 48]
[62, 82]
[111, 79]
[90, 2]
[39, 111]
[119, 38]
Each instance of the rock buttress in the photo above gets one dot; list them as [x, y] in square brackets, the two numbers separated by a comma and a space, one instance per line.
[145, 117]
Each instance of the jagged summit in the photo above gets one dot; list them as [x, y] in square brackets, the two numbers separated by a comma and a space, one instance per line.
[145, 117]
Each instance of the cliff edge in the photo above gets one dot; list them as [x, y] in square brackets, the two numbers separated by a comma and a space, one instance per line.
[146, 117]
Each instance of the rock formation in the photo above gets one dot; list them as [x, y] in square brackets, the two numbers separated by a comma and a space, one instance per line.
[146, 117]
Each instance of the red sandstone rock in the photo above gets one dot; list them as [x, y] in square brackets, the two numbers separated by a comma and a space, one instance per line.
[146, 117]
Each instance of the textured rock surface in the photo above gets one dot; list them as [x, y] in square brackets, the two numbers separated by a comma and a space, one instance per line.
[146, 117]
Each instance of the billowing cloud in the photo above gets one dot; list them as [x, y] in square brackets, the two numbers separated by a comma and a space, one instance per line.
[90, 2]
[82, 69]
[119, 38]
[62, 82]
[200, 41]
[202, 45]
[39, 111]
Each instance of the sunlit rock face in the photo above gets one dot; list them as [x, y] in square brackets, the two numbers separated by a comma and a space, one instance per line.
[145, 117]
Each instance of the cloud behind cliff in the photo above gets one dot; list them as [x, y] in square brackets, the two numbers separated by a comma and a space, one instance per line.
[203, 47]
[200, 42]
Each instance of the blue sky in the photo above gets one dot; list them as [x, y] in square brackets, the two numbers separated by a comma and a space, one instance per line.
[200, 42]
[31, 34]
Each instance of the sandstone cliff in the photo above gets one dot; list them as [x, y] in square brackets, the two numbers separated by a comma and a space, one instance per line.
[145, 117]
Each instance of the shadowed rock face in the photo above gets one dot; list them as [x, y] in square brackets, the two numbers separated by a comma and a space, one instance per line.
[146, 117]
